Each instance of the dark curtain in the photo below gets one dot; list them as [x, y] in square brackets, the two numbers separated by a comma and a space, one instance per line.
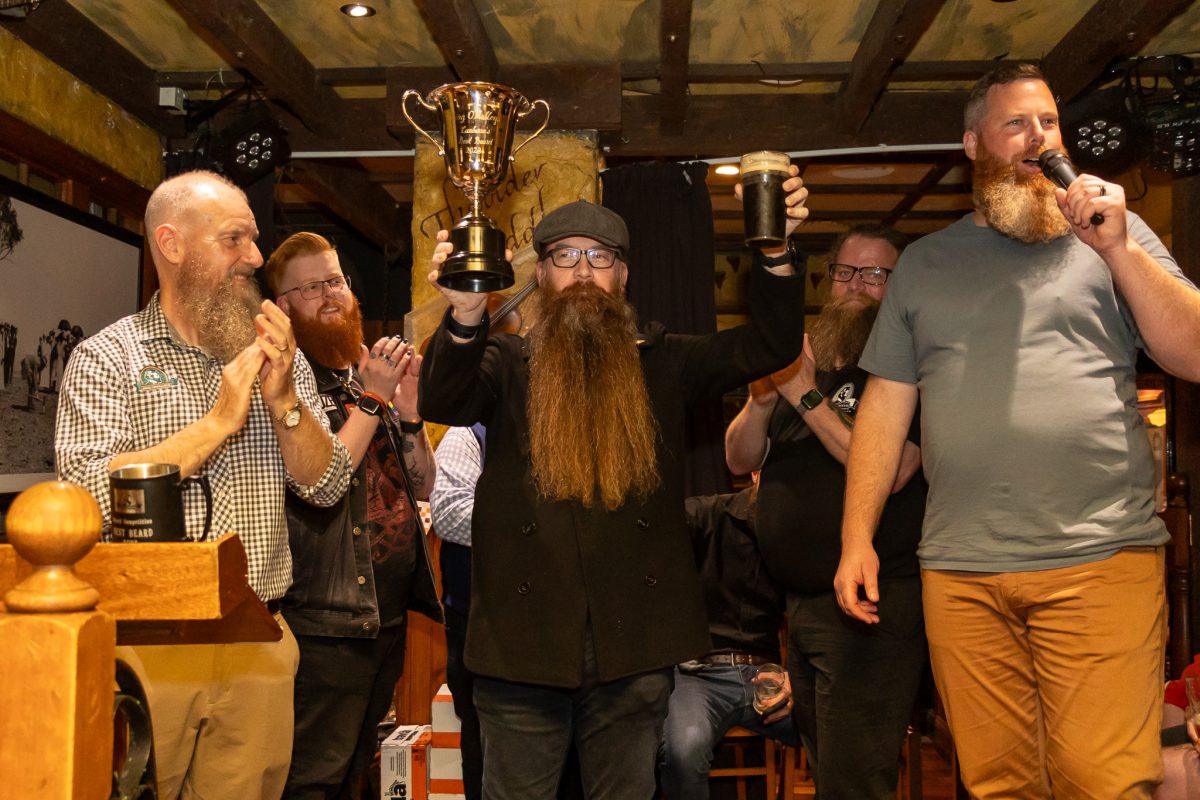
[671, 267]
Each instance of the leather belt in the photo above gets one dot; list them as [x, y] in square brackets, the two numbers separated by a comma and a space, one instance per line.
[273, 607]
[735, 659]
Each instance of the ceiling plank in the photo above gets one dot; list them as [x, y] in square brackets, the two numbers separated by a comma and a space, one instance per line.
[1112, 29]
[458, 31]
[245, 36]
[674, 46]
[71, 40]
[349, 193]
[926, 186]
[894, 30]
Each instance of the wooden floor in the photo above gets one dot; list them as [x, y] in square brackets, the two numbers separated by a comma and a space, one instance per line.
[937, 780]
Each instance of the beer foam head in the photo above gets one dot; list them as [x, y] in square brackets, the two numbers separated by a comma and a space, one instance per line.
[766, 161]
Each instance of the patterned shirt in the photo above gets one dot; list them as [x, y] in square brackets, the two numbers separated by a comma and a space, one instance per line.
[134, 384]
[453, 498]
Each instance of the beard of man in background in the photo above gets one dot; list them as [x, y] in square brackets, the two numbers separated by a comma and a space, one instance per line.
[1020, 206]
[222, 313]
[840, 333]
[331, 341]
[592, 429]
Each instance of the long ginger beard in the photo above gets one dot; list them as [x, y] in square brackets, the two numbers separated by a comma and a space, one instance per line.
[333, 341]
[840, 333]
[592, 430]
[221, 312]
[1020, 206]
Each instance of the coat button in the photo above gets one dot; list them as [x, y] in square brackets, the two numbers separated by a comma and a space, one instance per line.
[357, 531]
[523, 587]
[366, 626]
[354, 481]
[529, 528]
[361, 580]
[643, 524]
[651, 580]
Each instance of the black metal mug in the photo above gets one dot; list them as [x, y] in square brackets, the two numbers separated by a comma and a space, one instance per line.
[147, 503]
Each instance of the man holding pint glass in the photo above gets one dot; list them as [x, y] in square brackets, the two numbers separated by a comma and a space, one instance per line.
[584, 590]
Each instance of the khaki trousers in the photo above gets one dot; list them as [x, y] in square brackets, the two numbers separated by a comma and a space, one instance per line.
[222, 716]
[1052, 680]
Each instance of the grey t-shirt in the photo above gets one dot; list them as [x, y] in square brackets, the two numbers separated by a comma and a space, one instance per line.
[1024, 356]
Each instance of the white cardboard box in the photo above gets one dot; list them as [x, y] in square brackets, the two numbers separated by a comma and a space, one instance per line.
[404, 763]
[445, 759]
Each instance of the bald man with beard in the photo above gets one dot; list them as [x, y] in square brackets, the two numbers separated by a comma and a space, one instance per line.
[1018, 328]
[584, 589]
[207, 377]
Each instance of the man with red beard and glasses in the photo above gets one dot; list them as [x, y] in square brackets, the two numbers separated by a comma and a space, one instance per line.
[207, 377]
[584, 591]
[359, 566]
[854, 684]
[1041, 554]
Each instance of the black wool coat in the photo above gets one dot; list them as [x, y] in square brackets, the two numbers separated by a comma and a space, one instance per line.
[542, 570]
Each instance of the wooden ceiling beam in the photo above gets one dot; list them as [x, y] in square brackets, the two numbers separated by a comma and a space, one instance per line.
[350, 194]
[458, 31]
[926, 186]
[1110, 30]
[894, 30]
[245, 36]
[727, 125]
[71, 40]
[674, 45]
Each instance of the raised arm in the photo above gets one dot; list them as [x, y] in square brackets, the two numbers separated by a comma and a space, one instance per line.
[1167, 311]
[881, 424]
[746, 438]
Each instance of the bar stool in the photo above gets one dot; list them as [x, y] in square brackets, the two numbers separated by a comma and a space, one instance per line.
[738, 739]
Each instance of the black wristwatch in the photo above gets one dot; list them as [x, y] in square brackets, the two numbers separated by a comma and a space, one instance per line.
[811, 399]
[790, 256]
[370, 404]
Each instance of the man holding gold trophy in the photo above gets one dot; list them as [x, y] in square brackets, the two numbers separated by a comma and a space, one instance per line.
[584, 590]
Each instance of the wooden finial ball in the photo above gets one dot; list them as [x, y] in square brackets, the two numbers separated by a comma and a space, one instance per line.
[54, 523]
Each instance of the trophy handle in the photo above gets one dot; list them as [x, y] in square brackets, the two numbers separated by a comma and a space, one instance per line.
[413, 122]
[513, 155]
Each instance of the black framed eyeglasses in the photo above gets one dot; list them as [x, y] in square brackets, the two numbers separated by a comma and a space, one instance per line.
[871, 276]
[314, 289]
[568, 257]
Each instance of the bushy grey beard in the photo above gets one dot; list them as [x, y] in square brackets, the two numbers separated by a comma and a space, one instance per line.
[840, 333]
[222, 314]
[1020, 207]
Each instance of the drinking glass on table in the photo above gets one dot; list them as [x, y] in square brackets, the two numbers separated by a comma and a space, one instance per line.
[768, 688]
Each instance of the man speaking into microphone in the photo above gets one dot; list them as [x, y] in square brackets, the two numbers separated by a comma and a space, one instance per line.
[1042, 556]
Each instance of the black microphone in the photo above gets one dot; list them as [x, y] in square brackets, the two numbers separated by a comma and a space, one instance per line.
[1058, 169]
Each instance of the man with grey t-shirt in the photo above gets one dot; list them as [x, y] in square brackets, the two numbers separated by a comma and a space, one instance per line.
[1041, 554]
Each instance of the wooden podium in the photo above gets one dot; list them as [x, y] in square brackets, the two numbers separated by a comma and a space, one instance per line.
[59, 626]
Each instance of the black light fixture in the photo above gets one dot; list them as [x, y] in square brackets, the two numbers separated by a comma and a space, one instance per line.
[18, 9]
[1099, 132]
[1170, 121]
[250, 145]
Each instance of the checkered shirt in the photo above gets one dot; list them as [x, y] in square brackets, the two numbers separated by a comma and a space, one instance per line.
[134, 384]
[453, 497]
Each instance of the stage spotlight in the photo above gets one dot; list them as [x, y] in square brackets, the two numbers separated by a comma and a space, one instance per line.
[1099, 132]
[250, 145]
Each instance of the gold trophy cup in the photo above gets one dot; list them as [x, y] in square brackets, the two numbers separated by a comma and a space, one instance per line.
[478, 121]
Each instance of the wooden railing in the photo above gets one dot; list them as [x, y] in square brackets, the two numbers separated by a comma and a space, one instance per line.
[68, 602]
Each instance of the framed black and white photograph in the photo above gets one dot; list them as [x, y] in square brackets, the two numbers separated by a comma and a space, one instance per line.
[65, 275]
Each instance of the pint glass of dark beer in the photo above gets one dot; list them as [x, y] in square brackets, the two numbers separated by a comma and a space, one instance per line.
[763, 174]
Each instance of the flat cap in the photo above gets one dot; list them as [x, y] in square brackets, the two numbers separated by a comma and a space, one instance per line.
[582, 218]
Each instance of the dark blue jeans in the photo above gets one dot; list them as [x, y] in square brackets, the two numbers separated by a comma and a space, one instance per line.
[343, 689]
[616, 728]
[462, 686]
[855, 686]
[704, 705]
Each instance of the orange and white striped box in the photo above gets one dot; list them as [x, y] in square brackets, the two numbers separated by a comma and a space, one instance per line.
[404, 763]
[445, 758]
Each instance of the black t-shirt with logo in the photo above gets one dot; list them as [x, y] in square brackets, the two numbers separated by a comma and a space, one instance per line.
[801, 489]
